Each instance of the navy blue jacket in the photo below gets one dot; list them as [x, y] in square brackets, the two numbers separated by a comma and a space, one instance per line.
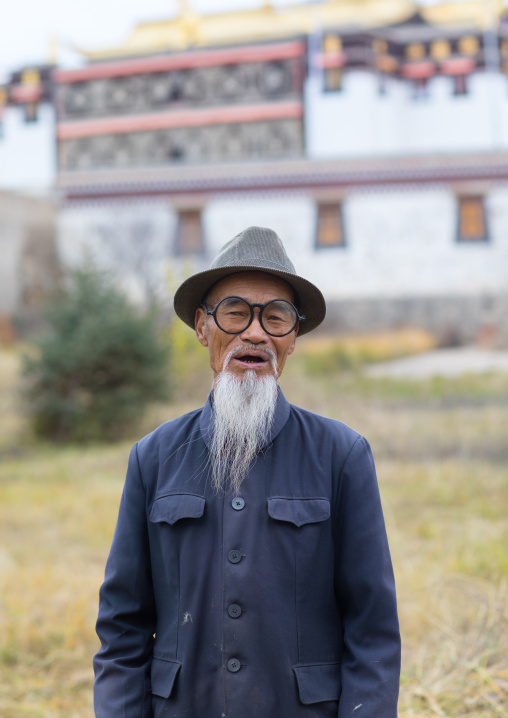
[278, 603]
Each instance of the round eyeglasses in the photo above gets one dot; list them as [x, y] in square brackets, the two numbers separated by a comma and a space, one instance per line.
[233, 315]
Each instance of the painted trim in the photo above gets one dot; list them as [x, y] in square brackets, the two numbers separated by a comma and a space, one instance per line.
[187, 118]
[458, 66]
[181, 61]
[463, 174]
[418, 70]
[327, 60]
[20, 94]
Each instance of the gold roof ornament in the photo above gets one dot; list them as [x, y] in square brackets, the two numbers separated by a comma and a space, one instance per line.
[332, 43]
[469, 45]
[263, 24]
[440, 50]
[415, 51]
[380, 46]
[53, 50]
[30, 77]
[269, 22]
[481, 14]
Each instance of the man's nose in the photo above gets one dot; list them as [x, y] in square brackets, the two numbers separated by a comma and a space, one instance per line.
[254, 332]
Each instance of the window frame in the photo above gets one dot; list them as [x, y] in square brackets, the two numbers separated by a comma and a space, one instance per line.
[179, 244]
[461, 236]
[338, 205]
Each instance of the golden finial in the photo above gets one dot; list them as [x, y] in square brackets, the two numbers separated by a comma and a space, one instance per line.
[184, 8]
[53, 50]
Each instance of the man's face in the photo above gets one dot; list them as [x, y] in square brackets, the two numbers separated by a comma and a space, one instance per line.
[256, 288]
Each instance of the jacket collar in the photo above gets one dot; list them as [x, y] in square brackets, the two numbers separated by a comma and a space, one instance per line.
[280, 417]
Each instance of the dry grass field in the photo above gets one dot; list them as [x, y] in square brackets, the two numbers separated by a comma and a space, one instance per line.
[442, 456]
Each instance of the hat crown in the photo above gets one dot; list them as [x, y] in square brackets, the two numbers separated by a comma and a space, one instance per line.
[255, 247]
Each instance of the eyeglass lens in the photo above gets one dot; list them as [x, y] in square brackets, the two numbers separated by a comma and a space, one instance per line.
[278, 317]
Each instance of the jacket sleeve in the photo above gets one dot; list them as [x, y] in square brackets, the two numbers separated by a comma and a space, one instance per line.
[365, 588]
[126, 621]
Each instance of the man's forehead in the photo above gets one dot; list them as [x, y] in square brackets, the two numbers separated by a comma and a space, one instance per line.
[244, 283]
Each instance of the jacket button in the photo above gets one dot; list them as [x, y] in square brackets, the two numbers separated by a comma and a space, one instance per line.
[235, 556]
[238, 503]
[234, 665]
[235, 610]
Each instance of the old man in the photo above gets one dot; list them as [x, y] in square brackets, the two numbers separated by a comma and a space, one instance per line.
[249, 575]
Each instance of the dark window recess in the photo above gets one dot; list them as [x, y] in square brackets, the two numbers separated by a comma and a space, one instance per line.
[460, 85]
[330, 227]
[420, 89]
[332, 79]
[31, 111]
[472, 219]
[189, 234]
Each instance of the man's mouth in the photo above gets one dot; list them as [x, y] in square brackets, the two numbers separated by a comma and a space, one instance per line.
[251, 359]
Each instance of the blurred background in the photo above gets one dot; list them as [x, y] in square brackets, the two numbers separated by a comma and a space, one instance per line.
[135, 140]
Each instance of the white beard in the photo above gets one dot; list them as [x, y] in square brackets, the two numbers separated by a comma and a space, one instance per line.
[242, 420]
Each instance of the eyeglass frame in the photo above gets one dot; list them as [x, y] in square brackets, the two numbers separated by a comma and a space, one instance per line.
[261, 307]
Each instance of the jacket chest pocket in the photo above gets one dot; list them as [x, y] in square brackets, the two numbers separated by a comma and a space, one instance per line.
[175, 507]
[305, 552]
[299, 511]
[175, 533]
[301, 531]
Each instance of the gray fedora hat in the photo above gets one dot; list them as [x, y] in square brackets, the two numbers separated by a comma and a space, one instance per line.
[260, 249]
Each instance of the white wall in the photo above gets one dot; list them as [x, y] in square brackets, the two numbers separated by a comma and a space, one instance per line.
[131, 239]
[400, 243]
[291, 215]
[403, 243]
[27, 150]
[359, 121]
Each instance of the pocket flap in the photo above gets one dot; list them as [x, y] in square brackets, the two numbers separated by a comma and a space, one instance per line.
[163, 676]
[318, 682]
[299, 511]
[170, 509]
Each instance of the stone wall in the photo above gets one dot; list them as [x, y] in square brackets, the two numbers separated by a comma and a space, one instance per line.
[29, 267]
[454, 320]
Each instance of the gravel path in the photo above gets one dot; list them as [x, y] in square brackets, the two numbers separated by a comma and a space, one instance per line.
[443, 362]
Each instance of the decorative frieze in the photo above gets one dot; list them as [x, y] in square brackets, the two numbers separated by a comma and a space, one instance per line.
[200, 86]
[211, 143]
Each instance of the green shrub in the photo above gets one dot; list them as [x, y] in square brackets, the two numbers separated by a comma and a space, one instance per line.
[98, 366]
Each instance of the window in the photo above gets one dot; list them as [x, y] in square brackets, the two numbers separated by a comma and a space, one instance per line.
[333, 79]
[329, 230]
[189, 233]
[420, 89]
[3, 102]
[31, 111]
[460, 85]
[472, 219]
[333, 61]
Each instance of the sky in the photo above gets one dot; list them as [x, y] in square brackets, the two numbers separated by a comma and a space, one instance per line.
[28, 25]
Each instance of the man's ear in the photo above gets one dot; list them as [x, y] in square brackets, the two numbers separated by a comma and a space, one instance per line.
[200, 325]
[293, 345]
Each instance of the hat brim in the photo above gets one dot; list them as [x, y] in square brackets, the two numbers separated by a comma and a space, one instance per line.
[192, 291]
